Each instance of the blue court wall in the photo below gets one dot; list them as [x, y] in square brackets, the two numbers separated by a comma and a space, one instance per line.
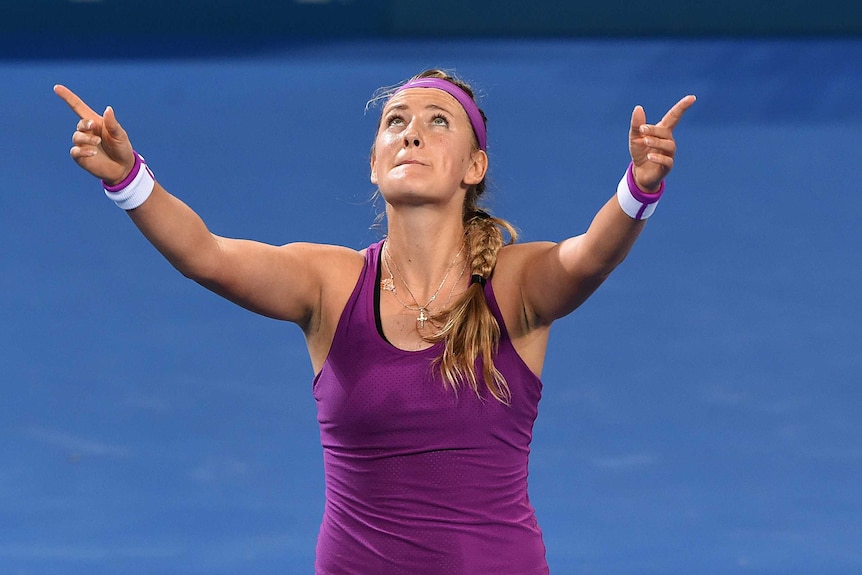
[700, 413]
[170, 27]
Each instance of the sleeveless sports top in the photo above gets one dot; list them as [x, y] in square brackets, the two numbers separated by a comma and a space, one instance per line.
[421, 480]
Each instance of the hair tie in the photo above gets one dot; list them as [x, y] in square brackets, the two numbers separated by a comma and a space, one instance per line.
[477, 279]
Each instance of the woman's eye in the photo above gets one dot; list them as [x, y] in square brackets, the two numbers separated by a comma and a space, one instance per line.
[440, 121]
[395, 121]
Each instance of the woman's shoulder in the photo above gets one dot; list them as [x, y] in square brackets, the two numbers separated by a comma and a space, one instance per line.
[512, 256]
[335, 267]
[528, 337]
[325, 254]
[513, 261]
[527, 247]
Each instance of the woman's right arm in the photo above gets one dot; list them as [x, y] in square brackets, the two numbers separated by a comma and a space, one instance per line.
[283, 282]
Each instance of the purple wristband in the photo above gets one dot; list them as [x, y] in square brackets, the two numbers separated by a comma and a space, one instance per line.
[135, 188]
[635, 202]
[640, 195]
[128, 179]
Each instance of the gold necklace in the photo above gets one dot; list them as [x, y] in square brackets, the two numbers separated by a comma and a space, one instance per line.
[388, 284]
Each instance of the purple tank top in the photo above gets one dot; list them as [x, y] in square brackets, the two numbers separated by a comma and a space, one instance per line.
[419, 480]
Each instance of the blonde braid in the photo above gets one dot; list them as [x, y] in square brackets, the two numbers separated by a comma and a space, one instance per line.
[469, 328]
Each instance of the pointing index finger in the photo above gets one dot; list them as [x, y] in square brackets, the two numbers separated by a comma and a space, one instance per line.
[77, 104]
[674, 115]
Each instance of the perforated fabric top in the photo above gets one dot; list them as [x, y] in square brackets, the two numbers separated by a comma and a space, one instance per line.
[420, 480]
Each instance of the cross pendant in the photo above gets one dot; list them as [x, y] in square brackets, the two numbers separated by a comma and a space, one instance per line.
[422, 317]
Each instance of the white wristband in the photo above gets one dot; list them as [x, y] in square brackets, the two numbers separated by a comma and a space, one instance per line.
[135, 188]
[635, 202]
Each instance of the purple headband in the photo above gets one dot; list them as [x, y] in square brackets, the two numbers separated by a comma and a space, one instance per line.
[463, 98]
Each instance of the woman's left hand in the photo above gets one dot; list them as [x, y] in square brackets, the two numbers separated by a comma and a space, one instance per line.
[652, 147]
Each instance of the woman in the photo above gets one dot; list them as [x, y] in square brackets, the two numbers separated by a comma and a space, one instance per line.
[427, 346]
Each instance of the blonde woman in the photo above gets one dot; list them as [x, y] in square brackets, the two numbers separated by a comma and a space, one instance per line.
[428, 345]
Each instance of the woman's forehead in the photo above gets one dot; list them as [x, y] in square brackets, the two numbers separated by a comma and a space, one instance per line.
[424, 98]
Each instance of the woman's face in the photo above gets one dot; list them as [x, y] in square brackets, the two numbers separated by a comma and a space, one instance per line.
[425, 148]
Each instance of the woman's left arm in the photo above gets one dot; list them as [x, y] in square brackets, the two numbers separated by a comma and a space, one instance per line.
[557, 278]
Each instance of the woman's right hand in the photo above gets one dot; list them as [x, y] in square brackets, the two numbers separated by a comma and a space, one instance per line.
[101, 145]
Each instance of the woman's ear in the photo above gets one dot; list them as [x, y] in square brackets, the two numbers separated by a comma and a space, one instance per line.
[478, 168]
[373, 169]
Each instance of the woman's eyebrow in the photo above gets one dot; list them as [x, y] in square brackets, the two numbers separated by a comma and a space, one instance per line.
[437, 107]
[427, 107]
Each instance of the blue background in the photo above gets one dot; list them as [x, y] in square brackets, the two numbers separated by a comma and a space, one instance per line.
[700, 412]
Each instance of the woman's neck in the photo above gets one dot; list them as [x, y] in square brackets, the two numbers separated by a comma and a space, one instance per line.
[424, 247]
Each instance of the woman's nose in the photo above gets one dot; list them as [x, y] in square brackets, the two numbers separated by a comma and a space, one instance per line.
[412, 137]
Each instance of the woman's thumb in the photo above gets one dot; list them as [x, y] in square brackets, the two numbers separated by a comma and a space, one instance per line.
[638, 119]
[112, 125]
